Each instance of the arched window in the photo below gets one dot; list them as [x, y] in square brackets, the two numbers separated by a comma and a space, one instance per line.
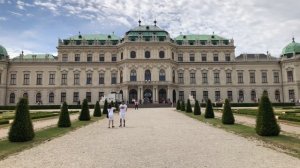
[25, 95]
[241, 96]
[51, 97]
[277, 95]
[253, 95]
[162, 75]
[121, 55]
[133, 75]
[12, 98]
[161, 54]
[147, 54]
[147, 75]
[172, 55]
[132, 54]
[38, 98]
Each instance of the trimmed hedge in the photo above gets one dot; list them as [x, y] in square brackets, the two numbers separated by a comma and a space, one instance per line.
[209, 111]
[21, 129]
[197, 109]
[289, 118]
[266, 123]
[2, 122]
[85, 112]
[97, 110]
[182, 108]
[178, 105]
[227, 116]
[64, 117]
[188, 107]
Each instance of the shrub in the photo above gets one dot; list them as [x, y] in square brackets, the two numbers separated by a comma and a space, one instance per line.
[182, 108]
[4, 121]
[85, 112]
[227, 117]
[21, 129]
[188, 106]
[178, 105]
[112, 104]
[97, 110]
[105, 107]
[266, 124]
[197, 109]
[209, 112]
[64, 117]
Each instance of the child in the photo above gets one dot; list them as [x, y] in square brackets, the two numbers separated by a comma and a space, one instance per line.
[110, 116]
[123, 109]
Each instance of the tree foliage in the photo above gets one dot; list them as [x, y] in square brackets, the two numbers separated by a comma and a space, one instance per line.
[197, 108]
[85, 112]
[227, 116]
[209, 112]
[21, 129]
[64, 116]
[97, 110]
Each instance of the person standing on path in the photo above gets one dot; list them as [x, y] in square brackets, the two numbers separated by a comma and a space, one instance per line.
[123, 109]
[110, 116]
[136, 105]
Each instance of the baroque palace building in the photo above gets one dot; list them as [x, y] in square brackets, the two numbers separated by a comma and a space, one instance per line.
[150, 66]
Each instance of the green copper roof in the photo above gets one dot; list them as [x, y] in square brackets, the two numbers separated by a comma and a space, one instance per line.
[200, 37]
[3, 52]
[95, 37]
[291, 48]
[37, 57]
[147, 30]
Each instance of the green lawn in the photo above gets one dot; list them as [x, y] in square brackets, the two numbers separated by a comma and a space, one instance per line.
[288, 144]
[8, 148]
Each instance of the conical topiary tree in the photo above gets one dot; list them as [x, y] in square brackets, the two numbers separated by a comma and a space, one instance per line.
[97, 110]
[112, 104]
[227, 116]
[188, 106]
[182, 108]
[105, 107]
[178, 105]
[85, 112]
[266, 124]
[64, 117]
[197, 109]
[21, 129]
[209, 112]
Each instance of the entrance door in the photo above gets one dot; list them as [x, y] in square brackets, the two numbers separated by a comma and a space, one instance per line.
[162, 96]
[174, 96]
[132, 96]
[147, 96]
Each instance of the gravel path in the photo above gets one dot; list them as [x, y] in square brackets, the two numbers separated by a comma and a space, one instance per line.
[153, 138]
[246, 120]
[37, 125]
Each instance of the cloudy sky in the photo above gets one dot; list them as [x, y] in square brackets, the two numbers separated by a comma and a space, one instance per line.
[257, 26]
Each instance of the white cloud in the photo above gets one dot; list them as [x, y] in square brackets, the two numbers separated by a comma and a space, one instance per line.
[3, 18]
[256, 26]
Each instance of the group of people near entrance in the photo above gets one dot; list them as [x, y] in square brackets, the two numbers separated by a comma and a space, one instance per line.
[122, 114]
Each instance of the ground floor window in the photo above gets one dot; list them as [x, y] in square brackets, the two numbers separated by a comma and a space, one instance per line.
[38, 98]
[277, 95]
[193, 93]
[89, 96]
[63, 96]
[229, 95]
[51, 97]
[12, 98]
[181, 95]
[205, 96]
[76, 97]
[101, 94]
[217, 96]
[241, 96]
[292, 95]
[253, 95]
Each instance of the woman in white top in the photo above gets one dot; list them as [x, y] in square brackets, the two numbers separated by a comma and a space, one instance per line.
[110, 116]
[123, 109]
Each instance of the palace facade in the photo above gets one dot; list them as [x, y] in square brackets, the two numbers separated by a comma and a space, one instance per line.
[150, 66]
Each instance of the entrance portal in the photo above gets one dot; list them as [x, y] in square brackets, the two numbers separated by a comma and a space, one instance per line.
[147, 96]
[132, 96]
[174, 96]
[162, 96]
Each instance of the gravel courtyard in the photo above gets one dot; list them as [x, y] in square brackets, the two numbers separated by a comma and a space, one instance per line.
[153, 138]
